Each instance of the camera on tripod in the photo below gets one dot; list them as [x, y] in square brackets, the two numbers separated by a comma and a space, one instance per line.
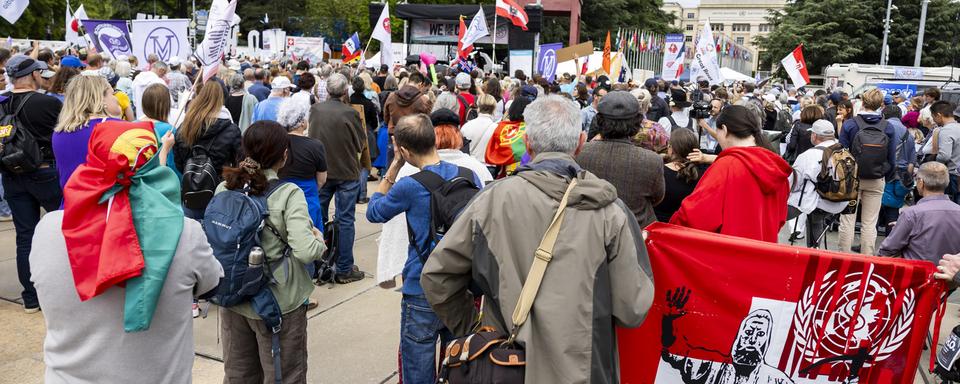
[700, 110]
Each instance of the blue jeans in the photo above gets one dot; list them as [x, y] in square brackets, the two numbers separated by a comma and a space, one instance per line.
[364, 174]
[346, 192]
[27, 194]
[419, 329]
[4, 206]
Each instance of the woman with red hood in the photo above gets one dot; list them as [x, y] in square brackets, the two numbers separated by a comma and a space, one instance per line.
[744, 193]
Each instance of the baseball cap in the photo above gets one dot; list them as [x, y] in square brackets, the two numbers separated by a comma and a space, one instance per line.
[281, 82]
[463, 80]
[47, 74]
[175, 61]
[887, 99]
[22, 65]
[528, 91]
[650, 83]
[896, 94]
[823, 128]
[71, 61]
[836, 97]
[619, 105]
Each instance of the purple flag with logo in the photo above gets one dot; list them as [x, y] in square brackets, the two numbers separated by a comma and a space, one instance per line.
[547, 60]
[109, 36]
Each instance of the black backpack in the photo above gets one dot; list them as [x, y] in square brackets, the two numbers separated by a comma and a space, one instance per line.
[472, 111]
[19, 150]
[447, 199]
[870, 148]
[200, 179]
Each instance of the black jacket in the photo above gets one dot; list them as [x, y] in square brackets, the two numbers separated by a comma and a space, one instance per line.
[221, 139]
[658, 108]
[799, 141]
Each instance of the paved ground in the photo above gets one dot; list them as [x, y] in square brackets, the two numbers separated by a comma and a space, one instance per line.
[352, 334]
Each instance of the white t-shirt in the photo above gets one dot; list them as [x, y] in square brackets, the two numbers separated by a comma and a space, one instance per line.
[140, 84]
[682, 118]
[479, 131]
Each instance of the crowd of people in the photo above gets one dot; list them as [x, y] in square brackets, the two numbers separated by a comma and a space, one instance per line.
[126, 158]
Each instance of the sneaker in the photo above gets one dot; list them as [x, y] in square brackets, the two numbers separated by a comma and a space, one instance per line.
[196, 310]
[31, 310]
[6, 218]
[363, 200]
[311, 305]
[372, 178]
[353, 276]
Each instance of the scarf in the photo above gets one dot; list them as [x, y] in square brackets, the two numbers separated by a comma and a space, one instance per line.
[122, 219]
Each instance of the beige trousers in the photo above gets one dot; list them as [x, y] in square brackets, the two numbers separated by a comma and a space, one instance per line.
[871, 193]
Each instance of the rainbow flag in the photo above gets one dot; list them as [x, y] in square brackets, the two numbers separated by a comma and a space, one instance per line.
[507, 147]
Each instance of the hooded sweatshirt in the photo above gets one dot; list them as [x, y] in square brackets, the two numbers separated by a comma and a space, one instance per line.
[406, 101]
[599, 276]
[744, 193]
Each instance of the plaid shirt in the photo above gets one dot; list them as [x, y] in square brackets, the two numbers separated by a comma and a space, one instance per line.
[178, 82]
[321, 91]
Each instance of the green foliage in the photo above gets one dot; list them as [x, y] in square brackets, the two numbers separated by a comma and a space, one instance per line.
[841, 31]
[599, 16]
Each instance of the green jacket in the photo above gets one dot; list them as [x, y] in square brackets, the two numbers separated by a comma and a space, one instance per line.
[287, 207]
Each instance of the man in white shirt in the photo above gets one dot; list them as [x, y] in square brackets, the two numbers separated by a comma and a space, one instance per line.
[803, 195]
[145, 79]
[679, 116]
[480, 130]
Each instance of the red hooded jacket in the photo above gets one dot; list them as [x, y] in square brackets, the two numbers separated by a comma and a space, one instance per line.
[744, 193]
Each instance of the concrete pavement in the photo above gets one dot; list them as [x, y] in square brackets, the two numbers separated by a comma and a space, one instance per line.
[352, 335]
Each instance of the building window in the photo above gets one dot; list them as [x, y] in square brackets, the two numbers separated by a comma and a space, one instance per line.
[690, 15]
[766, 27]
[716, 27]
[689, 38]
[741, 27]
[689, 27]
[740, 40]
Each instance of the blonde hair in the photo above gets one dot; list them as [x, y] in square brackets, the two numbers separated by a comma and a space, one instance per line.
[872, 99]
[83, 98]
[201, 112]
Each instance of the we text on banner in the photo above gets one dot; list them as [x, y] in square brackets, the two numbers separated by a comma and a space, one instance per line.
[731, 310]
[166, 38]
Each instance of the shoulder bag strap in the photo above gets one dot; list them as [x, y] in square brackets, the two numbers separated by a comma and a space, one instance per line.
[542, 257]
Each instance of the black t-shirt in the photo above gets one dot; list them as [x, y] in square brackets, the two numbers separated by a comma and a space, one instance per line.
[305, 158]
[39, 116]
[675, 190]
[234, 104]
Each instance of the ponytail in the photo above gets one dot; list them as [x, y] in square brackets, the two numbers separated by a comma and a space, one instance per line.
[248, 175]
[689, 173]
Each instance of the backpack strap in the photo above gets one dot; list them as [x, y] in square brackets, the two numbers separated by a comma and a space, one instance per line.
[285, 255]
[673, 123]
[16, 112]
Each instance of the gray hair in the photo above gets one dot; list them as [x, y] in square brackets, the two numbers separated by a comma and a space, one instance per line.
[337, 85]
[553, 125]
[446, 100]
[935, 176]
[293, 112]
[326, 71]
[122, 68]
[644, 98]
[160, 66]
[235, 82]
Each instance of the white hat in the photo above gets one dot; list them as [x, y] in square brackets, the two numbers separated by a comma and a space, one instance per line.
[281, 82]
[233, 64]
[175, 61]
[823, 128]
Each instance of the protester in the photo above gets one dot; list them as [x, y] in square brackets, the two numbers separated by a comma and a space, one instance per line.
[658, 106]
[680, 175]
[305, 83]
[597, 229]
[492, 87]
[125, 80]
[246, 339]
[176, 80]
[743, 192]
[945, 142]
[479, 131]
[635, 172]
[321, 87]
[206, 127]
[390, 86]
[501, 152]
[804, 197]
[338, 127]
[156, 109]
[89, 102]
[679, 116]
[651, 135]
[416, 143]
[588, 113]
[258, 89]
[306, 159]
[29, 191]
[58, 86]
[240, 103]
[156, 75]
[100, 330]
[874, 166]
[409, 99]
[269, 108]
[800, 133]
[465, 98]
[897, 187]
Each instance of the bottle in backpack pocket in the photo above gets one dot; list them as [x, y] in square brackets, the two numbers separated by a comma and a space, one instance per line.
[255, 260]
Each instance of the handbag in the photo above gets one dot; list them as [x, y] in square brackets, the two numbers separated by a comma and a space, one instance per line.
[489, 356]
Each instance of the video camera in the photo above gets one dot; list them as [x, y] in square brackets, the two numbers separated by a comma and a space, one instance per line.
[700, 108]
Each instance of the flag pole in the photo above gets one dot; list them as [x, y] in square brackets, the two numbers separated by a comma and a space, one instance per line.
[494, 39]
[363, 54]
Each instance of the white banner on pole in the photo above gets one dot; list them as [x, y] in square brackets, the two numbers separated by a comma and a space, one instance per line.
[166, 38]
[217, 36]
[705, 65]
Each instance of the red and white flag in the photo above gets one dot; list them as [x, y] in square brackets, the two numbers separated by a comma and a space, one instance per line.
[725, 306]
[796, 67]
[513, 11]
[463, 50]
[382, 33]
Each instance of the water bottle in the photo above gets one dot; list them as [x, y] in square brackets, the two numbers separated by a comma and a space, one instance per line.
[255, 260]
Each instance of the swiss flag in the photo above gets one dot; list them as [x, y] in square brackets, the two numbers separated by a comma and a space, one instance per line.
[513, 11]
[796, 67]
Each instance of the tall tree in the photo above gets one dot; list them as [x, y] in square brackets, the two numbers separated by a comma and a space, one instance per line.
[599, 16]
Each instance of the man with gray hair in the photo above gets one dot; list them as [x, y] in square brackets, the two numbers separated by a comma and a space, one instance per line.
[804, 199]
[929, 229]
[321, 86]
[337, 125]
[156, 75]
[600, 276]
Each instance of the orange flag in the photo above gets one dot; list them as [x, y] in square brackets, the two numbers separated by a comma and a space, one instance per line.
[606, 54]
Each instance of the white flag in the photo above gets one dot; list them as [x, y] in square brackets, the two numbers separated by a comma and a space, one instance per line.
[796, 67]
[73, 35]
[12, 9]
[70, 35]
[382, 33]
[705, 65]
[166, 38]
[217, 36]
[476, 30]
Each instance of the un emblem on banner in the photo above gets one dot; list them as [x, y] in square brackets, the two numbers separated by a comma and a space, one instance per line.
[858, 318]
[163, 42]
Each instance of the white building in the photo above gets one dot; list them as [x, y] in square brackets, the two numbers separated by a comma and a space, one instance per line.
[739, 20]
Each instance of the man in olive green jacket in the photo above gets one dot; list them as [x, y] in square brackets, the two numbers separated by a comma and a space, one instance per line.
[600, 274]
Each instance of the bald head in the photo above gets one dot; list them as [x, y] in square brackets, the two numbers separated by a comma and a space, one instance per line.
[415, 134]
